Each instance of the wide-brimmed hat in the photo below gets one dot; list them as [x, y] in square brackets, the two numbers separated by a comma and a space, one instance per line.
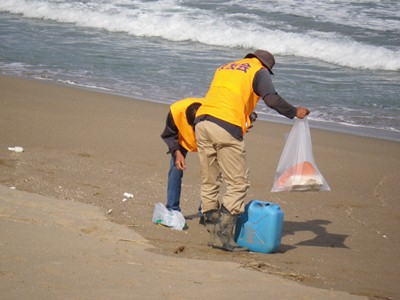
[266, 58]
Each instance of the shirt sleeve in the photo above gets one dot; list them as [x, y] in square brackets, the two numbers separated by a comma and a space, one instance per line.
[263, 87]
[170, 134]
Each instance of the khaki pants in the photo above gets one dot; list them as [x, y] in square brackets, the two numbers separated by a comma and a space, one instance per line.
[220, 153]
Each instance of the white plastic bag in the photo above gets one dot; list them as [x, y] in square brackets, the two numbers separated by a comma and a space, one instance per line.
[296, 169]
[170, 218]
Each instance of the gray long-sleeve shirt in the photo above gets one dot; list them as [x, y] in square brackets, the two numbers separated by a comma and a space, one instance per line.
[263, 87]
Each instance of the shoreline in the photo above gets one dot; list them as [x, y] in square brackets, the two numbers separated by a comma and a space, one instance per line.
[90, 147]
[357, 130]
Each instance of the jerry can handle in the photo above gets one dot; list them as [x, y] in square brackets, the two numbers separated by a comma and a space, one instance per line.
[261, 203]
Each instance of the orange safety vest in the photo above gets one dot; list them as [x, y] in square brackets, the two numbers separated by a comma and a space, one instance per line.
[186, 136]
[231, 97]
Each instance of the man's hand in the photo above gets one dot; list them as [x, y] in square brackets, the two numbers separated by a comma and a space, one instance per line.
[301, 112]
[179, 160]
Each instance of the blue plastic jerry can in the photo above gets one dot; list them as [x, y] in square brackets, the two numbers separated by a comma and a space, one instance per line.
[259, 228]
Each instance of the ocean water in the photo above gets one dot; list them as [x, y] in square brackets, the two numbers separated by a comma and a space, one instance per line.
[339, 58]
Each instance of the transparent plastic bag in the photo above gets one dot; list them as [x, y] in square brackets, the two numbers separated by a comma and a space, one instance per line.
[297, 171]
[169, 218]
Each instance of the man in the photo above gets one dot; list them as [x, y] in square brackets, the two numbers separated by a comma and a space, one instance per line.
[220, 124]
[179, 137]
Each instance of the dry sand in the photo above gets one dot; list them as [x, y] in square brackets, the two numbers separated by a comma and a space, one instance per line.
[83, 146]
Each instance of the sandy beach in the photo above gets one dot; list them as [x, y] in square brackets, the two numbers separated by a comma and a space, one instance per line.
[90, 148]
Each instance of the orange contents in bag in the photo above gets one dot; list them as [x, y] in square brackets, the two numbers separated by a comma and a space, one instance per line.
[304, 169]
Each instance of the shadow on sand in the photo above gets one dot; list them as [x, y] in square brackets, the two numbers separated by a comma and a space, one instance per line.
[322, 237]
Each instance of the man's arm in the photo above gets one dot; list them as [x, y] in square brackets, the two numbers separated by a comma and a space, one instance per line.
[280, 105]
[263, 86]
[170, 134]
[170, 137]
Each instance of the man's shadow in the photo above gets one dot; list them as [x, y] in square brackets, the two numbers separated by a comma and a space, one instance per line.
[322, 237]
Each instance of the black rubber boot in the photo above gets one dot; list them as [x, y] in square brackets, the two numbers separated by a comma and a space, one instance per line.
[224, 231]
[210, 221]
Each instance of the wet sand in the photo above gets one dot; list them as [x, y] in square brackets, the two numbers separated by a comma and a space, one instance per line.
[89, 147]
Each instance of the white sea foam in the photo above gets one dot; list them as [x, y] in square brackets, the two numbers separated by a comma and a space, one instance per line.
[368, 14]
[172, 20]
[308, 42]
